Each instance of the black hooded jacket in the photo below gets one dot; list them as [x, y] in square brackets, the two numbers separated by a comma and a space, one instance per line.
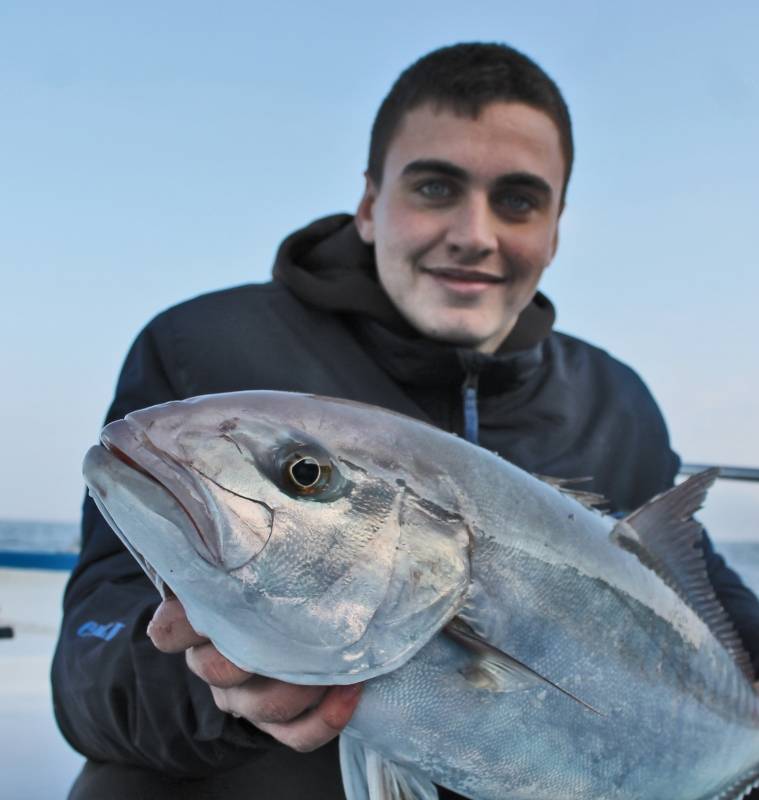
[548, 402]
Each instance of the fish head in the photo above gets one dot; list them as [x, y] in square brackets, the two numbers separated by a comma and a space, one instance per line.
[314, 540]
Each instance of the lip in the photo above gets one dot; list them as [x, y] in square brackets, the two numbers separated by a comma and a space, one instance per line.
[463, 280]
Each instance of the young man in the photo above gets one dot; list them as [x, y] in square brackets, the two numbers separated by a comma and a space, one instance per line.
[424, 303]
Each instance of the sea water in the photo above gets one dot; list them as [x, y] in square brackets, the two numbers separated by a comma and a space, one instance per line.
[36, 536]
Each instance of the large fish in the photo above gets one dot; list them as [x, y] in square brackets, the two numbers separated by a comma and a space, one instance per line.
[516, 643]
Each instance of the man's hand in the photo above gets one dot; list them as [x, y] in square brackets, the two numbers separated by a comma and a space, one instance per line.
[302, 717]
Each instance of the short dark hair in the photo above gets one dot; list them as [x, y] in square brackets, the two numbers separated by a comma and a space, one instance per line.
[465, 78]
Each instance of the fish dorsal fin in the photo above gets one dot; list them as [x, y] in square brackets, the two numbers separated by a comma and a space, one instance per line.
[665, 538]
[591, 500]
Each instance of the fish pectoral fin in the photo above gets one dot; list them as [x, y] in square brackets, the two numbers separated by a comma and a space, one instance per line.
[493, 670]
[369, 776]
[499, 675]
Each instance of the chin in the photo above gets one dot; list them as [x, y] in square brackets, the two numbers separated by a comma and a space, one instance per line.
[461, 330]
[458, 336]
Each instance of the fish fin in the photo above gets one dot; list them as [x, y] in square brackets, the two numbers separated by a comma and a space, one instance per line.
[665, 538]
[496, 671]
[369, 776]
[591, 500]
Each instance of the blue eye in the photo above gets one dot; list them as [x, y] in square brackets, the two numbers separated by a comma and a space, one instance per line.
[435, 190]
[518, 203]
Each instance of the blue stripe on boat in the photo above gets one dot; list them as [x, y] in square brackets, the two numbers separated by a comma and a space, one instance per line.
[23, 559]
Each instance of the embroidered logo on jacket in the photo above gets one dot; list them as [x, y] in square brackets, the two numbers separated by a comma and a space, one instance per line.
[105, 631]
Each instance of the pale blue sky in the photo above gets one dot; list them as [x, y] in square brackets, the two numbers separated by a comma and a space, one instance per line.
[153, 151]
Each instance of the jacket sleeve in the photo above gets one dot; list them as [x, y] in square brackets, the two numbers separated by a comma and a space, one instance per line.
[116, 697]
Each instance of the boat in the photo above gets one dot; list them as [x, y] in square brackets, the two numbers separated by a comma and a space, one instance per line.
[36, 763]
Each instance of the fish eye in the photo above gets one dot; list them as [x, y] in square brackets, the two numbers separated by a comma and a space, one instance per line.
[306, 474]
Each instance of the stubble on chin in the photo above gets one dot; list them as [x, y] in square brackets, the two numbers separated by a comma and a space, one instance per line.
[458, 333]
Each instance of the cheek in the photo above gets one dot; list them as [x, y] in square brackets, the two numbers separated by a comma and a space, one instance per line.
[404, 232]
[529, 254]
[397, 250]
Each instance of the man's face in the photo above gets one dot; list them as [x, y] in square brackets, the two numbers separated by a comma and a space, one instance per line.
[466, 219]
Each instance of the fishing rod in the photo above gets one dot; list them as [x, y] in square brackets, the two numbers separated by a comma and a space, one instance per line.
[728, 473]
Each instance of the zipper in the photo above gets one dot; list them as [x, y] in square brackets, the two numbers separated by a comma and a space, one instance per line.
[471, 413]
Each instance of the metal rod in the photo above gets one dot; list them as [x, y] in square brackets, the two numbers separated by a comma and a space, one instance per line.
[730, 473]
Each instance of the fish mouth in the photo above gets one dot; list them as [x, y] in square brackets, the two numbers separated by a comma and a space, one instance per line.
[226, 529]
[193, 532]
[111, 480]
[138, 453]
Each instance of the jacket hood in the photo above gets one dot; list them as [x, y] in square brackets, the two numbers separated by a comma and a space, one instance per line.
[326, 265]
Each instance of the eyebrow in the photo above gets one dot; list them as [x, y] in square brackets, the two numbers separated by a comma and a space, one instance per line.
[440, 167]
[435, 165]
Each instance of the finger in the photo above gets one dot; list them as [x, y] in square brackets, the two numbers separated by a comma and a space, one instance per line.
[211, 666]
[170, 630]
[320, 725]
[266, 700]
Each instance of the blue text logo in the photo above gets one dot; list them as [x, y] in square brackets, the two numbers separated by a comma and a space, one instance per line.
[106, 631]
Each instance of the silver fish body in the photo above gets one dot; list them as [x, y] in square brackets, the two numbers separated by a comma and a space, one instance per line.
[321, 541]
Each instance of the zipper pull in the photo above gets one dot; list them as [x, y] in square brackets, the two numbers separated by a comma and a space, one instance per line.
[471, 415]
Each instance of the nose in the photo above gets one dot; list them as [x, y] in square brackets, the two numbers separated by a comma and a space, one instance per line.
[471, 235]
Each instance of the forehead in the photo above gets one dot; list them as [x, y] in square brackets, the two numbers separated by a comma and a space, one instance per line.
[503, 138]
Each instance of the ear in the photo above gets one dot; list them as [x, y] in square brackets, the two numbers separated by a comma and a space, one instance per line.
[365, 212]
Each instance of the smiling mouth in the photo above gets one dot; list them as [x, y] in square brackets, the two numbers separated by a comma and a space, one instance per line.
[462, 274]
